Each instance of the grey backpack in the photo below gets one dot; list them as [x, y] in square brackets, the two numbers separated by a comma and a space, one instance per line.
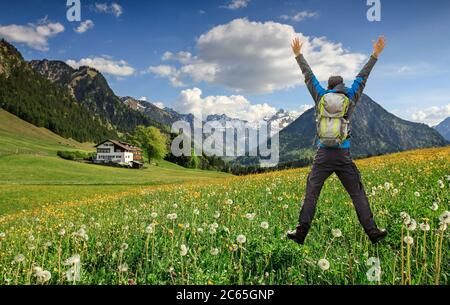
[332, 125]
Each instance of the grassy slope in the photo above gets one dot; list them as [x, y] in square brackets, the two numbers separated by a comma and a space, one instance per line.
[31, 174]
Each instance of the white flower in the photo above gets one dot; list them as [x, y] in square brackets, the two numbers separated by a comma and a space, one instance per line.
[154, 215]
[285, 207]
[395, 191]
[441, 184]
[19, 258]
[387, 186]
[214, 251]
[229, 202]
[408, 240]
[417, 194]
[149, 229]
[280, 198]
[43, 276]
[123, 268]
[200, 230]
[442, 226]
[265, 225]
[216, 214]
[435, 206]
[424, 227]
[412, 225]
[81, 234]
[324, 264]
[183, 250]
[172, 216]
[175, 206]
[62, 232]
[250, 216]
[445, 217]
[406, 218]
[2, 235]
[73, 260]
[241, 239]
[196, 211]
[336, 233]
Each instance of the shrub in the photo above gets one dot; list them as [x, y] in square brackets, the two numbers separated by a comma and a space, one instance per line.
[75, 155]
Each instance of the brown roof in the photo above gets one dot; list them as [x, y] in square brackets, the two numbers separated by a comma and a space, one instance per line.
[124, 145]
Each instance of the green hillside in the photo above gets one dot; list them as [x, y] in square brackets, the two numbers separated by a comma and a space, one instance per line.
[31, 174]
[20, 137]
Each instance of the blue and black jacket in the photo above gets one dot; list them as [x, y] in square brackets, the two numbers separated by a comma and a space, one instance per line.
[353, 93]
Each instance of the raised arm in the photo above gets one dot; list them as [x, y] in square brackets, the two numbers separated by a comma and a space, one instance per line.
[314, 87]
[355, 92]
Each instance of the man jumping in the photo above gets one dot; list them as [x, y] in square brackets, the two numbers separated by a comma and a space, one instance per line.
[334, 108]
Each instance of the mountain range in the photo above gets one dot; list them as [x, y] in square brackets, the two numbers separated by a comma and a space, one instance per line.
[79, 104]
[444, 128]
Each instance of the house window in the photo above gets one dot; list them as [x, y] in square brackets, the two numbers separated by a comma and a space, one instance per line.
[103, 150]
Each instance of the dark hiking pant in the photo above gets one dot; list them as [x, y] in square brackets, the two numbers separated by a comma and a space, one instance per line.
[339, 161]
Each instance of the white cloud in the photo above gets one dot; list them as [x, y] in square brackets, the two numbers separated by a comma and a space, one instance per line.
[256, 57]
[408, 69]
[105, 65]
[431, 115]
[84, 26]
[105, 8]
[34, 36]
[236, 4]
[300, 16]
[235, 106]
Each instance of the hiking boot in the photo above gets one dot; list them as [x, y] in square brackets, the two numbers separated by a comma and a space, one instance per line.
[377, 235]
[299, 234]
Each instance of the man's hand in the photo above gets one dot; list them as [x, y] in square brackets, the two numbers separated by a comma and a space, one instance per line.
[297, 46]
[378, 46]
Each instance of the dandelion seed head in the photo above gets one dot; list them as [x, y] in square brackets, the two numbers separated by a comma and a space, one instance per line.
[123, 268]
[19, 258]
[73, 260]
[149, 229]
[445, 217]
[412, 225]
[424, 227]
[183, 250]
[324, 264]
[265, 225]
[408, 240]
[214, 251]
[241, 239]
[336, 233]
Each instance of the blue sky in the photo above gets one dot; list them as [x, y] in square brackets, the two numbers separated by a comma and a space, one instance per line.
[129, 41]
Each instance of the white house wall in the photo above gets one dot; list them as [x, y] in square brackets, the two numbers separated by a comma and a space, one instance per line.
[117, 157]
